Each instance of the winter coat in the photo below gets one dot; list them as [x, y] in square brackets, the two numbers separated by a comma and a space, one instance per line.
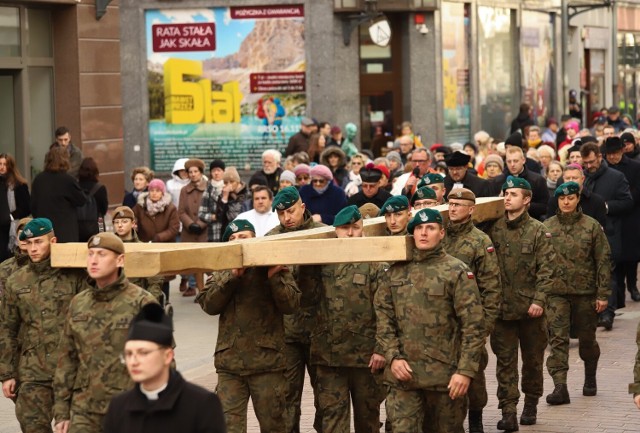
[540, 198]
[56, 195]
[520, 122]
[299, 142]
[90, 228]
[23, 201]
[273, 179]
[479, 186]
[327, 204]
[190, 199]
[340, 174]
[631, 220]
[161, 227]
[227, 212]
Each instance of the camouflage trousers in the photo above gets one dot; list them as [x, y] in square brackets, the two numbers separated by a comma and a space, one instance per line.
[267, 391]
[478, 388]
[34, 407]
[410, 410]
[531, 335]
[338, 388]
[585, 320]
[84, 422]
[297, 358]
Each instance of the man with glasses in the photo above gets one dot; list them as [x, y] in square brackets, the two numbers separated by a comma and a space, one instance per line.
[407, 183]
[162, 401]
[613, 187]
[370, 190]
[89, 373]
[423, 198]
[465, 242]
[461, 177]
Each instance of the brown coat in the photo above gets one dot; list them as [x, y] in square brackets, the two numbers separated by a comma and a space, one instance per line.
[162, 227]
[190, 198]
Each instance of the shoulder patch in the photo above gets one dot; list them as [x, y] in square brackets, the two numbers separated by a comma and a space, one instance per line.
[547, 235]
[490, 249]
[470, 275]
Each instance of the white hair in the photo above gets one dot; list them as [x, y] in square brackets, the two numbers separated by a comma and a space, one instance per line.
[277, 156]
[546, 148]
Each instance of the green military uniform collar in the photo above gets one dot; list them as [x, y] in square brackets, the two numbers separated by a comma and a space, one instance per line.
[402, 233]
[42, 266]
[569, 218]
[134, 237]
[459, 228]
[307, 224]
[422, 255]
[110, 291]
[518, 222]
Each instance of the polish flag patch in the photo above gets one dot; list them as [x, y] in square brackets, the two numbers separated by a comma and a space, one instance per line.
[490, 249]
[547, 235]
[470, 275]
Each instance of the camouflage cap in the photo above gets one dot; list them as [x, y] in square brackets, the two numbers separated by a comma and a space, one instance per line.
[567, 188]
[123, 212]
[35, 228]
[285, 198]
[424, 216]
[462, 194]
[23, 222]
[369, 210]
[429, 179]
[516, 182]
[236, 226]
[152, 324]
[394, 204]
[423, 193]
[348, 215]
[108, 241]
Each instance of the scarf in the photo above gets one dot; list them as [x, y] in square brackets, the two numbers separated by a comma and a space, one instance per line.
[552, 184]
[154, 208]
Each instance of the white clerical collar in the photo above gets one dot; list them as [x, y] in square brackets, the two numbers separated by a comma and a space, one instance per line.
[153, 395]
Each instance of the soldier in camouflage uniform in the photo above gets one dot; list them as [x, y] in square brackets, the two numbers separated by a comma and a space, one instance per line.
[580, 291]
[124, 222]
[250, 351]
[343, 345]
[89, 372]
[465, 242]
[435, 181]
[634, 388]
[396, 215]
[298, 326]
[35, 302]
[526, 255]
[430, 326]
[19, 259]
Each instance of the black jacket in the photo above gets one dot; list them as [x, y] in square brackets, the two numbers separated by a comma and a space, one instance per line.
[631, 220]
[540, 199]
[479, 186]
[520, 122]
[56, 196]
[182, 407]
[359, 199]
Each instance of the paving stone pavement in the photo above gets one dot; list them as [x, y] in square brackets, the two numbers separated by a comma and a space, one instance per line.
[611, 411]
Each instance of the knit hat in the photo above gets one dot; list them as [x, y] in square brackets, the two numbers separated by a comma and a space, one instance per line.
[627, 137]
[394, 203]
[194, 163]
[394, 156]
[322, 171]
[157, 184]
[516, 182]
[236, 226]
[231, 175]
[285, 198]
[289, 176]
[258, 179]
[462, 194]
[35, 228]
[514, 139]
[108, 241]
[572, 125]
[348, 215]
[383, 168]
[123, 212]
[301, 169]
[567, 188]
[494, 159]
[424, 216]
[216, 163]
[152, 324]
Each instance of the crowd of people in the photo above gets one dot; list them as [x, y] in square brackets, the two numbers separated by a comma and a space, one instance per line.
[412, 334]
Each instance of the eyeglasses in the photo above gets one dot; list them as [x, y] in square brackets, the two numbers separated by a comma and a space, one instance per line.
[302, 177]
[418, 161]
[455, 205]
[140, 354]
[319, 181]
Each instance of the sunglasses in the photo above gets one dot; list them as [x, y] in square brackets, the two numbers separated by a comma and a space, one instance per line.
[319, 181]
[302, 177]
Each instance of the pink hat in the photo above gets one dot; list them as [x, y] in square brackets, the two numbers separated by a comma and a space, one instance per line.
[322, 171]
[574, 165]
[157, 184]
[301, 169]
[572, 125]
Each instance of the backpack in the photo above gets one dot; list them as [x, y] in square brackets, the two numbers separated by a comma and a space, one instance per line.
[89, 210]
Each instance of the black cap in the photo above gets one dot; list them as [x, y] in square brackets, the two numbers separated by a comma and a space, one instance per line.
[370, 173]
[216, 163]
[613, 144]
[258, 179]
[514, 139]
[152, 324]
[628, 137]
[458, 159]
[589, 139]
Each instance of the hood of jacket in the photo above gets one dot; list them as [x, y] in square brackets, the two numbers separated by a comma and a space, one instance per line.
[324, 156]
[177, 166]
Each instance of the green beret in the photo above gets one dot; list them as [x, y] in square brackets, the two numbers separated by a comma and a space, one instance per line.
[108, 241]
[35, 228]
[567, 188]
[516, 182]
[348, 215]
[424, 216]
[423, 193]
[285, 198]
[236, 226]
[394, 203]
[429, 179]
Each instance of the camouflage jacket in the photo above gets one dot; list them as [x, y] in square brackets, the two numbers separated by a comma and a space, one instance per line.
[251, 309]
[634, 388]
[472, 246]
[89, 371]
[583, 256]
[526, 257]
[298, 326]
[35, 302]
[12, 264]
[345, 335]
[152, 285]
[429, 312]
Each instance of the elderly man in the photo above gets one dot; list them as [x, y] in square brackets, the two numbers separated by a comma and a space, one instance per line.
[396, 215]
[271, 169]
[461, 177]
[408, 182]
[431, 328]
[371, 191]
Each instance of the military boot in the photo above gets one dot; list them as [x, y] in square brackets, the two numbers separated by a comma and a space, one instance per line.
[590, 387]
[529, 414]
[475, 421]
[560, 395]
[509, 422]
[635, 294]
